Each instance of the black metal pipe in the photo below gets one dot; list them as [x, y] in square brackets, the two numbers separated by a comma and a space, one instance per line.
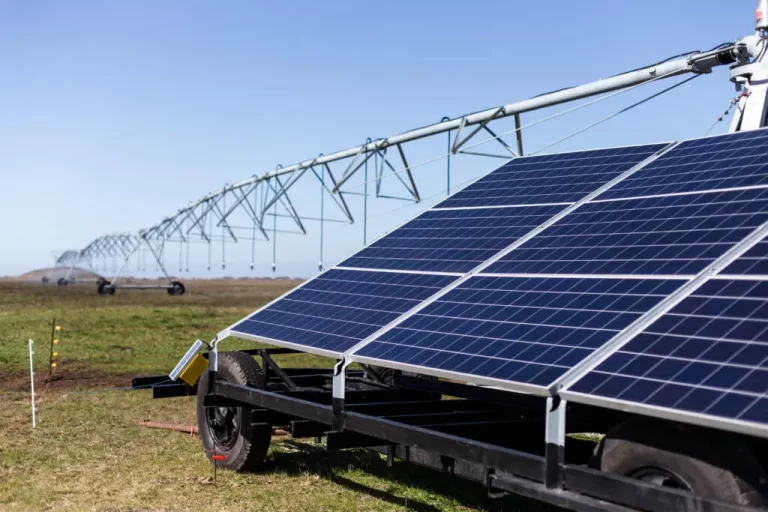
[519, 463]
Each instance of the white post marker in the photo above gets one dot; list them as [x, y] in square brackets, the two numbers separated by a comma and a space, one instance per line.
[32, 380]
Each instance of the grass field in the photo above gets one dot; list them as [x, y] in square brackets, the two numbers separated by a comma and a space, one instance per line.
[89, 453]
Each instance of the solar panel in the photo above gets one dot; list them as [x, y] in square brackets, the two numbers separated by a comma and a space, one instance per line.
[558, 178]
[723, 162]
[677, 234]
[706, 359]
[339, 308]
[451, 240]
[707, 356]
[527, 330]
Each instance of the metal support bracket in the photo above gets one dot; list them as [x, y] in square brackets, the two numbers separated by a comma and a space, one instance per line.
[339, 392]
[554, 451]
[458, 142]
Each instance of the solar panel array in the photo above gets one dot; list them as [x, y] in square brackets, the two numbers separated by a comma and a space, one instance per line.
[707, 356]
[616, 241]
[441, 294]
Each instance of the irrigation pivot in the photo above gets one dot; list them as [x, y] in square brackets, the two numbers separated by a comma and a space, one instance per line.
[263, 199]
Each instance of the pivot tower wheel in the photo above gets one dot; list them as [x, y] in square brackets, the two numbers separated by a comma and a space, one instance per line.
[106, 288]
[177, 288]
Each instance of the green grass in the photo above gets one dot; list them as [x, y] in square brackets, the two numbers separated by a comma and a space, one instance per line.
[133, 332]
[89, 453]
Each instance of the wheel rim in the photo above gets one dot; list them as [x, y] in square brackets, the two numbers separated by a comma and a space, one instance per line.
[223, 425]
[660, 477]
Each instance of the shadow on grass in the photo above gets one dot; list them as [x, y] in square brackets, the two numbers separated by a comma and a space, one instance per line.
[305, 458]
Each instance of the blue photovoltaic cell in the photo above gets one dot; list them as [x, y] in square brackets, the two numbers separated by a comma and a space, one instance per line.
[451, 240]
[340, 308]
[529, 330]
[560, 178]
[708, 355]
[753, 262]
[679, 234]
[726, 161]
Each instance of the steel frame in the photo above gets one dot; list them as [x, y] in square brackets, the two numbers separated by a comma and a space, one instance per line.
[114, 246]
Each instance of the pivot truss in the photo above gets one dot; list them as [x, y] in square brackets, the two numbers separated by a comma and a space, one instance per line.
[260, 207]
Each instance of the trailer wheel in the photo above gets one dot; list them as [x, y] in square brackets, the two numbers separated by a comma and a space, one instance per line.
[177, 288]
[105, 288]
[717, 467]
[227, 431]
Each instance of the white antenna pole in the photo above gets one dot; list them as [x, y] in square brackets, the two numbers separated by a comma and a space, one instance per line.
[32, 380]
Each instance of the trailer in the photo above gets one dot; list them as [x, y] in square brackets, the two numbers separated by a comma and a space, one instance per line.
[594, 339]
[485, 435]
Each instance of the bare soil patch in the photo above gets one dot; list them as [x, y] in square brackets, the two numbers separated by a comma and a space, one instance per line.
[74, 378]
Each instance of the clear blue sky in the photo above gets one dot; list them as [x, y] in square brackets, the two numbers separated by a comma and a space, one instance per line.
[115, 114]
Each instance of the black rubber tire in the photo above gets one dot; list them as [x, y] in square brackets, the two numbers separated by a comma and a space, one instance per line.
[249, 449]
[177, 288]
[712, 465]
[62, 282]
[387, 375]
[105, 288]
